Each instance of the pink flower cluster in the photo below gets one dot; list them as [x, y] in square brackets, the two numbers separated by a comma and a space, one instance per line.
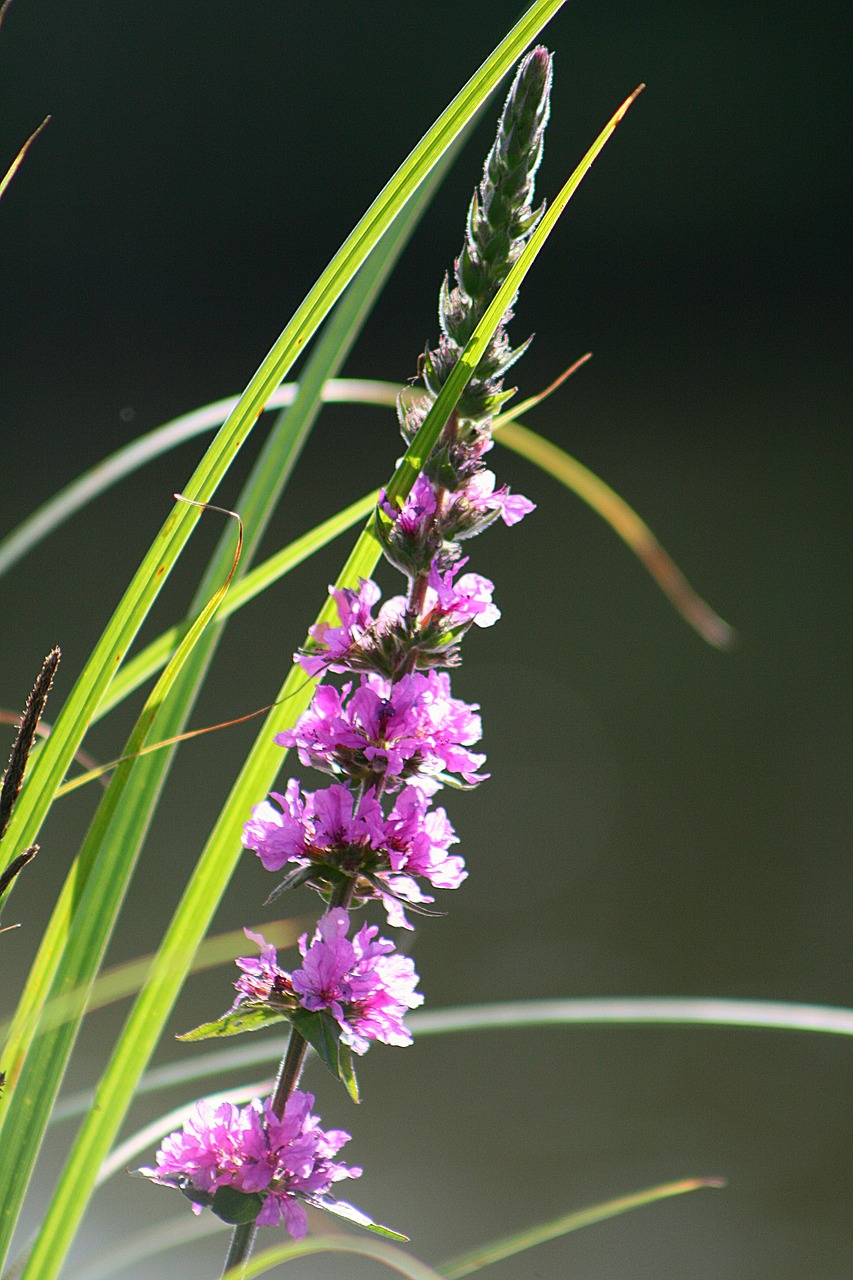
[365, 984]
[332, 829]
[390, 733]
[288, 1160]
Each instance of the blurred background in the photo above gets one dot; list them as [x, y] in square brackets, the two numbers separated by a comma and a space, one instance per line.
[662, 819]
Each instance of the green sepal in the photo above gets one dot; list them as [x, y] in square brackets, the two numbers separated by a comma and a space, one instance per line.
[324, 1036]
[235, 1206]
[341, 1209]
[248, 1017]
[291, 881]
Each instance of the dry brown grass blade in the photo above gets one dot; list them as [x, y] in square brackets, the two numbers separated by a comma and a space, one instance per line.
[633, 531]
[19, 158]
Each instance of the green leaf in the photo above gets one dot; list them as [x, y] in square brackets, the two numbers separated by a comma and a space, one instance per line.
[235, 1206]
[341, 1209]
[247, 1017]
[324, 1036]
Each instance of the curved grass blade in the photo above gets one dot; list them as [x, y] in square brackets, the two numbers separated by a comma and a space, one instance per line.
[178, 1231]
[150, 659]
[598, 495]
[625, 522]
[469, 1264]
[19, 158]
[616, 1011]
[207, 885]
[389, 1255]
[124, 462]
[660, 1010]
[167, 546]
[217, 860]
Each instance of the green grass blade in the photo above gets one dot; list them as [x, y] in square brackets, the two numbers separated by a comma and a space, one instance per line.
[150, 659]
[388, 1255]
[216, 863]
[100, 478]
[56, 757]
[614, 1011]
[470, 1263]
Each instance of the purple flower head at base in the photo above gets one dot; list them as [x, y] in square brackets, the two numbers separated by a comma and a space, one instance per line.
[366, 986]
[250, 1150]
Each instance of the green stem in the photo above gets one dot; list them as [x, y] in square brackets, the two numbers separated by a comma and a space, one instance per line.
[241, 1245]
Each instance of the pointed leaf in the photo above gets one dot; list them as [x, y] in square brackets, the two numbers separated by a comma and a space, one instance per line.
[324, 1036]
[342, 1209]
[235, 1206]
[246, 1017]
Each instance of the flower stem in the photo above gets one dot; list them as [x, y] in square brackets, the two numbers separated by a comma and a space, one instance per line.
[241, 1245]
[289, 1072]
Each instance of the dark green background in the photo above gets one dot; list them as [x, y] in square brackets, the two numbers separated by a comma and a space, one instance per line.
[662, 819]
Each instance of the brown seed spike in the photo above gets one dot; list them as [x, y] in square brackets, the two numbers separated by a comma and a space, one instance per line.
[22, 745]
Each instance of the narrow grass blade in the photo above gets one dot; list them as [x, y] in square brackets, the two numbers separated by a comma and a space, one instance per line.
[615, 1011]
[19, 158]
[100, 478]
[109, 653]
[150, 659]
[388, 1255]
[625, 522]
[622, 1010]
[470, 1263]
[215, 866]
